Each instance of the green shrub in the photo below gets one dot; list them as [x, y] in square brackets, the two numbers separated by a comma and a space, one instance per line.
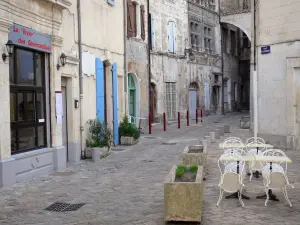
[100, 134]
[193, 169]
[180, 170]
[128, 129]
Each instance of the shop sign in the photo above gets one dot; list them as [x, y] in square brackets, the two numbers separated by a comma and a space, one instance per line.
[29, 38]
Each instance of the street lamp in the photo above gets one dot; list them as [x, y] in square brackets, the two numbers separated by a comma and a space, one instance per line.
[63, 59]
[10, 49]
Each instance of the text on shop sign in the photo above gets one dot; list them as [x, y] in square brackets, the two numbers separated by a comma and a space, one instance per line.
[27, 37]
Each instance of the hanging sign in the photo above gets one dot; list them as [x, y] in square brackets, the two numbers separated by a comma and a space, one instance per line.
[29, 38]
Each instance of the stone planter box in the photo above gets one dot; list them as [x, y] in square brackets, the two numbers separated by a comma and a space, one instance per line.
[128, 140]
[97, 153]
[245, 122]
[194, 158]
[183, 200]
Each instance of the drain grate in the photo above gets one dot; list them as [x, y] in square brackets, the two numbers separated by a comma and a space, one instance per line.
[171, 143]
[64, 207]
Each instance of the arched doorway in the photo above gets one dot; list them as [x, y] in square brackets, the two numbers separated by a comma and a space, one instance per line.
[153, 100]
[132, 97]
[193, 99]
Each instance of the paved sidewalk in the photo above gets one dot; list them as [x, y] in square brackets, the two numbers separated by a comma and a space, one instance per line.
[124, 188]
[127, 187]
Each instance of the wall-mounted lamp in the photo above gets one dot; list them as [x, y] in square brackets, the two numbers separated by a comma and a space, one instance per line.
[10, 50]
[62, 58]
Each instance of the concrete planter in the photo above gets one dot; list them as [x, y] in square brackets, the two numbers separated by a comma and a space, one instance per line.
[195, 158]
[97, 153]
[245, 122]
[183, 200]
[213, 136]
[128, 140]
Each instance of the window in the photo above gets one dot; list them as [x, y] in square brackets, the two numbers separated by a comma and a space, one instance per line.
[131, 19]
[171, 100]
[208, 41]
[172, 36]
[224, 39]
[152, 27]
[27, 101]
[195, 36]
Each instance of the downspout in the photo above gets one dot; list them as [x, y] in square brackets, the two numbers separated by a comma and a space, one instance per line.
[255, 104]
[222, 55]
[149, 57]
[83, 155]
[125, 57]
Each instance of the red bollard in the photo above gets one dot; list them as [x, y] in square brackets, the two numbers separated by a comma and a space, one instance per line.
[187, 118]
[150, 124]
[196, 115]
[201, 115]
[178, 120]
[165, 122]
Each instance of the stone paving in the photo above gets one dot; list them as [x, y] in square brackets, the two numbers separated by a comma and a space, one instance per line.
[127, 187]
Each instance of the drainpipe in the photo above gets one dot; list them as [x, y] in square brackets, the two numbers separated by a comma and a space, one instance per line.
[83, 155]
[125, 58]
[222, 54]
[255, 106]
[149, 57]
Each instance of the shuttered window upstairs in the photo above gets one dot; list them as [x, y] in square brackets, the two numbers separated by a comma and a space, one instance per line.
[131, 19]
[143, 33]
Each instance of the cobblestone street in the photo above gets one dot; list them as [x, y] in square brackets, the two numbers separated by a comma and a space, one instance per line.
[127, 187]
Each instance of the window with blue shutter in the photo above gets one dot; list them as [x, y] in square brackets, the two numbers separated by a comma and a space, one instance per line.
[111, 2]
[152, 33]
[100, 106]
[171, 36]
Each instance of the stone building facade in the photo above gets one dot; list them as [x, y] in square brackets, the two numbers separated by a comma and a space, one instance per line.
[204, 79]
[39, 89]
[168, 59]
[137, 60]
[278, 72]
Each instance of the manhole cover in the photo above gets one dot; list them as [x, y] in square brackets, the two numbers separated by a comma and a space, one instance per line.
[171, 143]
[64, 207]
[149, 137]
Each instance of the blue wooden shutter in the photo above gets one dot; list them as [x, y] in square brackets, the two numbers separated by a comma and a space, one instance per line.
[152, 32]
[170, 37]
[100, 90]
[115, 103]
[174, 36]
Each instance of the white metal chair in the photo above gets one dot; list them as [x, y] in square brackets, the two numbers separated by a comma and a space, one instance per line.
[232, 176]
[253, 165]
[275, 175]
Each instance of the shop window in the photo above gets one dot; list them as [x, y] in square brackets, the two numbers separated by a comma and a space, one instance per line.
[27, 101]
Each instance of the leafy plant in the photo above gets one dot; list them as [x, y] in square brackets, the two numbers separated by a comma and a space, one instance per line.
[100, 134]
[128, 129]
[180, 170]
[193, 169]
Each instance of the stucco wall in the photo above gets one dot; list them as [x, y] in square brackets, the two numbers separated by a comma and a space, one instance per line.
[277, 27]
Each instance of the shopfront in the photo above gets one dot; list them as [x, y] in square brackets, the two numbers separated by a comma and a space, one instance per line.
[29, 89]
[31, 153]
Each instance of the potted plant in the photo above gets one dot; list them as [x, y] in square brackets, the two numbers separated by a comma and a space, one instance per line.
[129, 133]
[100, 141]
[183, 193]
[195, 155]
